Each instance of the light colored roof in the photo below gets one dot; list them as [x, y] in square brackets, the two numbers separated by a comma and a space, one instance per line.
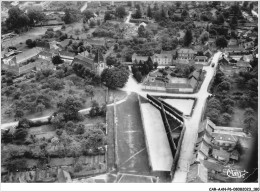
[221, 153]
[158, 147]
[183, 50]
[28, 54]
[224, 137]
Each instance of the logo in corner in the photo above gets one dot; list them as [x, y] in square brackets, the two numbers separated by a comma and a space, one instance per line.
[235, 173]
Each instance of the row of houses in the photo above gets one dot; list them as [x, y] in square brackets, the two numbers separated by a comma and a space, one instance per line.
[180, 56]
[214, 149]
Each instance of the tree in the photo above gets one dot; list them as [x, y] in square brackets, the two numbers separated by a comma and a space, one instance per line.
[94, 138]
[87, 15]
[30, 43]
[110, 61]
[149, 12]
[16, 165]
[40, 107]
[35, 16]
[17, 19]
[221, 42]
[187, 38]
[8, 112]
[18, 114]
[213, 114]
[225, 119]
[184, 13]
[120, 12]
[155, 64]
[59, 132]
[249, 123]
[59, 74]
[89, 90]
[107, 16]
[138, 76]
[92, 24]
[70, 108]
[6, 136]
[57, 60]
[20, 134]
[115, 77]
[138, 14]
[58, 121]
[234, 21]
[69, 16]
[224, 86]
[80, 129]
[249, 112]
[220, 19]
[141, 31]
[253, 84]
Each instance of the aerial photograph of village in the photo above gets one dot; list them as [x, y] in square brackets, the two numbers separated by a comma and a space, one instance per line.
[129, 91]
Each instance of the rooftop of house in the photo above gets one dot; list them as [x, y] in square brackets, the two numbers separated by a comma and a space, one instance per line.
[201, 57]
[221, 153]
[224, 137]
[64, 43]
[195, 74]
[84, 59]
[198, 173]
[172, 52]
[186, 50]
[66, 53]
[233, 49]
[24, 56]
[45, 53]
[213, 166]
[162, 55]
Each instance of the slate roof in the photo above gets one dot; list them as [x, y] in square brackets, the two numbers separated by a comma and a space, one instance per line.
[195, 74]
[213, 166]
[221, 153]
[45, 53]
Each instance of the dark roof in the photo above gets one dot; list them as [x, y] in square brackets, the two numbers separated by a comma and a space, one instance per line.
[221, 153]
[195, 74]
[213, 166]
[45, 53]
[85, 59]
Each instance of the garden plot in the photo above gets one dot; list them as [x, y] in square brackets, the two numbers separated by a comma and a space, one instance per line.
[184, 105]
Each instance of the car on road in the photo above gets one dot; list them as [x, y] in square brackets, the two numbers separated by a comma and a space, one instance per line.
[213, 65]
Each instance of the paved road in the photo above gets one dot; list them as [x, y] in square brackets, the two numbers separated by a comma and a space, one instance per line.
[83, 111]
[192, 123]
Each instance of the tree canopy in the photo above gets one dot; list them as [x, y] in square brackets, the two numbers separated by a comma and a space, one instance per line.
[115, 77]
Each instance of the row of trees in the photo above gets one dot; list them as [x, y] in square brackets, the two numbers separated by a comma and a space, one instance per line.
[18, 19]
[143, 68]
